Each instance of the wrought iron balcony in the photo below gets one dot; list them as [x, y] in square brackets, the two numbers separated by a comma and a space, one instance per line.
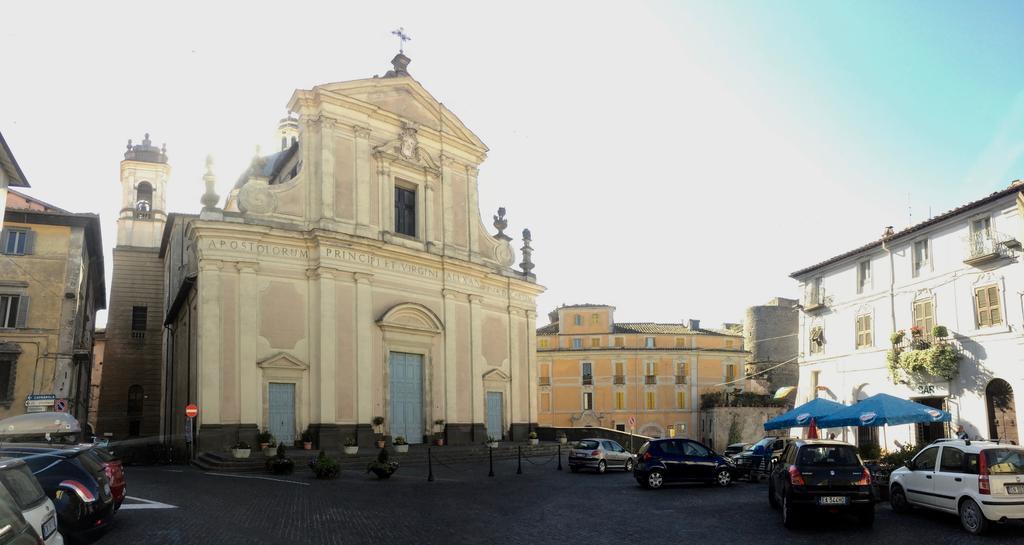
[681, 379]
[619, 379]
[544, 381]
[814, 299]
[986, 246]
[138, 335]
[588, 379]
[650, 379]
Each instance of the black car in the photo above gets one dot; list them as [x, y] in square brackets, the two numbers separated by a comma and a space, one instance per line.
[680, 460]
[816, 475]
[759, 458]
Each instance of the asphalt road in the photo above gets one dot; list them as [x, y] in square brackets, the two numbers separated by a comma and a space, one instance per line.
[464, 505]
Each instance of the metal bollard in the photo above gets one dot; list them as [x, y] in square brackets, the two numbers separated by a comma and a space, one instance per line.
[430, 466]
[490, 460]
[559, 468]
[519, 455]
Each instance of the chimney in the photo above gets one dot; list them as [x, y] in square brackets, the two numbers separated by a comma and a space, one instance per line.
[694, 325]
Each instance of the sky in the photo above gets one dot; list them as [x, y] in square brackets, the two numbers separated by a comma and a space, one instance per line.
[674, 159]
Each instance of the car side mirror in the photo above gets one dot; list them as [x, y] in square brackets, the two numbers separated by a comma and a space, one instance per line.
[910, 465]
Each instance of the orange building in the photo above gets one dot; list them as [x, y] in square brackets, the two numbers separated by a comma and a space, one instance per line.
[595, 372]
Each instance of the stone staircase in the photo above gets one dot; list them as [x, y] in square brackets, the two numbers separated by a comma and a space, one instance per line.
[417, 456]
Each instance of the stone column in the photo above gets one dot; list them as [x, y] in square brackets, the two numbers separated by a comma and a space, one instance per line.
[250, 398]
[477, 367]
[326, 180]
[451, 388]
[362, 159]
[209, 350]
[364, 358]
[531, 364]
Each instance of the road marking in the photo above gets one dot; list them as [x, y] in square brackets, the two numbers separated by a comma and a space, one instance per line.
[146, 504]
[255, 477]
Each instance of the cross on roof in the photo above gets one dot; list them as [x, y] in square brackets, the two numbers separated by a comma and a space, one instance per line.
[402, 38]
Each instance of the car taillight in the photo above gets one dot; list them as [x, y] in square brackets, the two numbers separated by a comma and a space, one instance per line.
[983, 487]
[79, 489]
[795, 478]
[865, 478]
[596, 453]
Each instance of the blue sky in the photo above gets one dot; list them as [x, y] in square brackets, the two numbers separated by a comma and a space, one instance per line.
[675, 159]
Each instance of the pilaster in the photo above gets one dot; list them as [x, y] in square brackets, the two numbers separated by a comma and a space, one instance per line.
[209, 341]
[362, 185]
[364, 347]
[531, 354]
[328, 346]
[477, 354]
[473, 221]
[250, 399]
[451, 388]
[447, 215]
[326, 180]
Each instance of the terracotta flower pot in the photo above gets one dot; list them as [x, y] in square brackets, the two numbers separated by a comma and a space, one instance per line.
[307, 445]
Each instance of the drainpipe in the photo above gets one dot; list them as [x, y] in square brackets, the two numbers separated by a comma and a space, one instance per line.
[892, 275]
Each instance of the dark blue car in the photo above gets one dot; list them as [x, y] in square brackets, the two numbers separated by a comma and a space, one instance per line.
[662, 461]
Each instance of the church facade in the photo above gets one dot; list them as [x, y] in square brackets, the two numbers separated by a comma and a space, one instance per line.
[348, 277]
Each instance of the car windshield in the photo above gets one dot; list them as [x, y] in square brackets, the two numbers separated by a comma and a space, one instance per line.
[828, 455]
[1004, 461]
[22, 485]
[766, 442]
[587, 444]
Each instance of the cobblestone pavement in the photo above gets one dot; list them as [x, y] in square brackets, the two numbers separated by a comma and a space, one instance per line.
[464, 505]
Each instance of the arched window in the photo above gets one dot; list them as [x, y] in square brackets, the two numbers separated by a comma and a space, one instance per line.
[135, 406]
[143, 199]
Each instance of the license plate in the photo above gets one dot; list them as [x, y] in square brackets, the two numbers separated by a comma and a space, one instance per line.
[1015, 489]
[832, 500]
[49, 527]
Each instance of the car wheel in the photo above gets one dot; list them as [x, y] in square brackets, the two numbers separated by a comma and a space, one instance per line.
[574, 469]
[772, 500]
[898, 500]
[866, 516]
[788, 514]
[655, 479]
[629, 465]
[723, 478]
[971, 517]
[602, 466]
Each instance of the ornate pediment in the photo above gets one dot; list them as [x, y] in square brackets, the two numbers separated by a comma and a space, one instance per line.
[406, 148]
[497, 375]
[411, 318]
[282, 360]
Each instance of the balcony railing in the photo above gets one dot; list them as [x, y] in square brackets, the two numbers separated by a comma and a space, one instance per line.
[985, 246]
[544, 381]
[138, 335]
[587, 379]
[650, 379]
[681, 379]
[619, 379]
[814, 299]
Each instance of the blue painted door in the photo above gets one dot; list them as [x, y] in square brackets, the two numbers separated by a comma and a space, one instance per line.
[282, 412]
[406, 378]
[495, 418]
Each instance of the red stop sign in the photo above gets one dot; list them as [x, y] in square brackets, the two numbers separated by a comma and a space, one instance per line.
[191, 411]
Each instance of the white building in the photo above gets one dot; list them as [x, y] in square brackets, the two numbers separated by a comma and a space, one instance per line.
[961, 270]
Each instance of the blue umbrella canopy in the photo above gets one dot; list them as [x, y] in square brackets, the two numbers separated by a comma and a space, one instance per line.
[800, 417]
[882, 409]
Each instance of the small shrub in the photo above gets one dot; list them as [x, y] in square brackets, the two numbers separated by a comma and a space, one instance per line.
[307, 437]
[940, 332]
[350, 441]
[383, 466]
[400, 440]
[264, 437]
[325, 467]
[899, 457]
[241, 445]
[897, 337]
[280, 464]
[869, 451]
[533, 435]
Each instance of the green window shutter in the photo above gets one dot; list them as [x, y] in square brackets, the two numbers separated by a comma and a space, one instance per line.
[30, 242]
[22, 319]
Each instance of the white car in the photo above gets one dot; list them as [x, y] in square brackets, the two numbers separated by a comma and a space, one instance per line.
[23, 490]
[981, 481]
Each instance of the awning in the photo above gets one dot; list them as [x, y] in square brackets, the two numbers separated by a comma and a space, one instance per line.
[883, 409]
[801, 416]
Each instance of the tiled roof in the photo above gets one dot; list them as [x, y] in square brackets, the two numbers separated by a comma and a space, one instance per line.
[1015, 187]
[550, 329]
[648, 328]
[583, 305]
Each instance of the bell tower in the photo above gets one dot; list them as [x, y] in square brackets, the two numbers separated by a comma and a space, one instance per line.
[144, 175]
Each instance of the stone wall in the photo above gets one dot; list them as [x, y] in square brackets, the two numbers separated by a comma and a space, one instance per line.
[770, 334]
[722, 426]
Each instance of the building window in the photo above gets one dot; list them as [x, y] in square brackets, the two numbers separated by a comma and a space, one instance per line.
[595, 342]
[13, 311]
[924, 315]
[680, 399]
[577, 343]
[728, 343]
[595, 319]
[135, 407]
[578, 319]
[986, 305]
[620, 369]
[650, 368]
[620, 342]
[649, 342]
[543, 343]
[8, 368]
[405, 211]
[680, 342]
[864, 276]
[18, 241]
[817, 339]
[681, 368]
[730, 373]
[922, 258]
[650, 400]
[588, 401]
[620, 400]
[587, 372]
[864, 337]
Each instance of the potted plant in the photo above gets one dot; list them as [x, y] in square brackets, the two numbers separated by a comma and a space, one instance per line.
[271, 447]
[264, 438]
[382, 467]
[492, 442]
[533, 438]
[439, 434]
[401, 445]
[240, 449]
[280, 464]
[378, 426]
[325, 467]
[351, 446]
[307, 440]
[562, 438]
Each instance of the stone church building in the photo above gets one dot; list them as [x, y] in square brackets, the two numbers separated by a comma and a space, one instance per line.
[350, 276]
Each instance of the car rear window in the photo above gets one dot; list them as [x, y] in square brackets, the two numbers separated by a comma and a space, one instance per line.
[23, 486]
[1004, 461]
[91, 461]
[828, 455]
[586, 444]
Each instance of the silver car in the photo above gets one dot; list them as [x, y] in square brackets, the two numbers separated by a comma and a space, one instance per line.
[599, 454]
